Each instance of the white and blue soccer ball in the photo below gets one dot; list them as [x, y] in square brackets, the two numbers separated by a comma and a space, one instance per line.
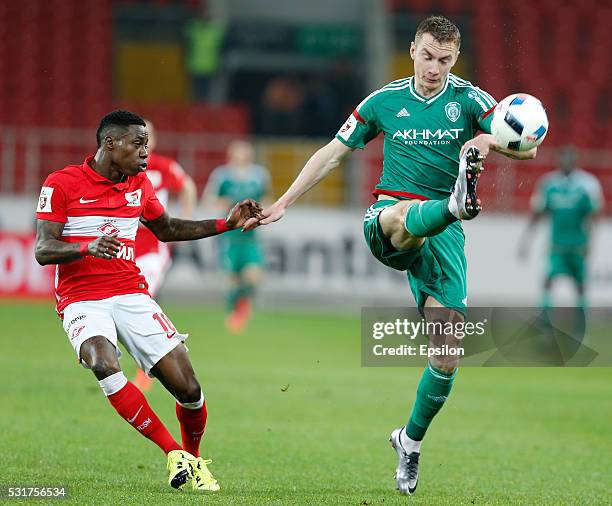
[519, 122]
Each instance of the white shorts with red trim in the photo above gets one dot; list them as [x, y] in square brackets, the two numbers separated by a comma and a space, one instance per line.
[136, 320]
[154, 267]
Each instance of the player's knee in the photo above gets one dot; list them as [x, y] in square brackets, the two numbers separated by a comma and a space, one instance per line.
[100, 356]
[253, 275]
[102, 367]
[393, 223]
[189, 392]
[446, 364]
[392, 218]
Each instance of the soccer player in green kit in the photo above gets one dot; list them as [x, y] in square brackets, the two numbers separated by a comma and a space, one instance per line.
[240, 253]
[571, 198]
[428, 185]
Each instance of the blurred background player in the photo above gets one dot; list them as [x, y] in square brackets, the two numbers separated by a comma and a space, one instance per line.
[571, 197]
[240, 253]
[153, 257]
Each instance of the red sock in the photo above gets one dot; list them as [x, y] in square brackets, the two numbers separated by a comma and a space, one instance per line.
[132, 405]
[192, 423]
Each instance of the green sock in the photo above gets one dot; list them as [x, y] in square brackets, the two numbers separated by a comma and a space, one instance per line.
[434, 387]
[428, 218]
[582, 302]
[248, 289]
[240, 291]
[233, 295]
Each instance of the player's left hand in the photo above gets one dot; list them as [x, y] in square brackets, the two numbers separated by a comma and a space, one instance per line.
[243, 211]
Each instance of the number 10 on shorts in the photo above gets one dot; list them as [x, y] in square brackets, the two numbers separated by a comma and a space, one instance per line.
[165, 324]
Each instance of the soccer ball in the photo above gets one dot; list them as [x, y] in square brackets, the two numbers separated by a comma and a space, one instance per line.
[519, 122]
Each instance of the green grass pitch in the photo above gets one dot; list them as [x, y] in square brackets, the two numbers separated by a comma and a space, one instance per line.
[295, 419]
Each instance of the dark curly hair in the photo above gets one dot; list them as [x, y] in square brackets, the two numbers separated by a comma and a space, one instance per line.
[119, 118]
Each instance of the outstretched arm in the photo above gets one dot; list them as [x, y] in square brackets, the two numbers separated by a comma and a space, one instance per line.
[167, 228]
[486, 143]
[515, 155]
[317, 167]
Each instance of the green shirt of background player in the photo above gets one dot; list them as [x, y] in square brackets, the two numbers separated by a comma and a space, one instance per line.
[429, 121]
[571, 198]
[240, 253]
[204, 45]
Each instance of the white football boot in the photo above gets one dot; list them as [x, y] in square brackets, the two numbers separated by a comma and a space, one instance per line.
[464, 204]
[407, 472]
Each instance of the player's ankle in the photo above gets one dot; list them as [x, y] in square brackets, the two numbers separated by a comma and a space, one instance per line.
[453, 208]
[448, 212]
[409, 445]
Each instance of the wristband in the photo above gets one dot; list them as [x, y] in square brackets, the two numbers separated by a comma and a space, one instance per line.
[84, 249]
[221, 226]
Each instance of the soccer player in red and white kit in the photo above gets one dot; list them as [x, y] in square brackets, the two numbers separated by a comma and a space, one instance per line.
[88, 216]
[153, 256]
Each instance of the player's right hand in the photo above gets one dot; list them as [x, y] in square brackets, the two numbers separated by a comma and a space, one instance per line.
[106, 247]
[269, 215]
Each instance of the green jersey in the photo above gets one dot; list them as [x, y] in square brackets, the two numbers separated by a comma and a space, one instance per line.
[228, 183]
[233, 185]
[569, 200]
[423, 135]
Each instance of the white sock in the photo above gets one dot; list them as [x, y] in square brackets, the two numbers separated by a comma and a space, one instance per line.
[410, 445]
[458, 190]
[453, 207]
[113, 383]
[193, 405]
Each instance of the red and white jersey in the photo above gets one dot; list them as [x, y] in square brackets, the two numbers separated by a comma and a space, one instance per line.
[90, 206]
[167, 177]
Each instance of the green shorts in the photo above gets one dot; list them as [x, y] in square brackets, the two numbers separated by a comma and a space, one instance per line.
[569, 263]
[437, 269]
[235, 255]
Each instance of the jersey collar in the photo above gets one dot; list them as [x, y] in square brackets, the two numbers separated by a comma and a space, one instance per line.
[99, 178]
[423, 99]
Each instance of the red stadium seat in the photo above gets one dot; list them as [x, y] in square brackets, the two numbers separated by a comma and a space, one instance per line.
[452, 7]
[542, 55]
[415, 6]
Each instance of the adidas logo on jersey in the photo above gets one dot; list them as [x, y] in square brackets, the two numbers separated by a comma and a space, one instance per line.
[403, 113]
